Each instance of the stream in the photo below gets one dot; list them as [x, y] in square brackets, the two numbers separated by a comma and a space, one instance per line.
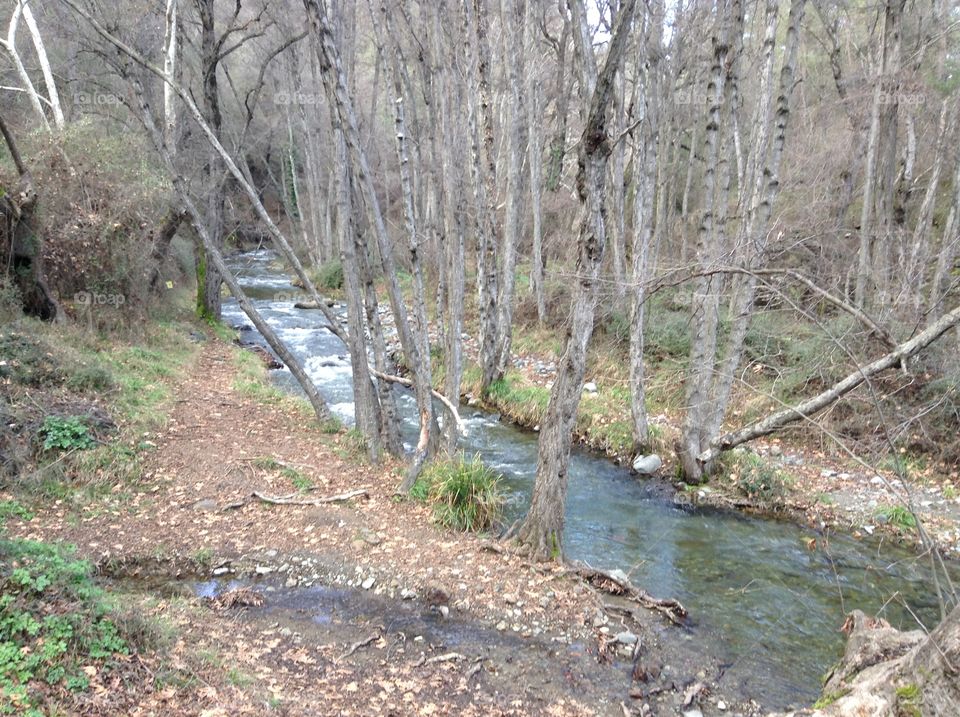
[760, 600]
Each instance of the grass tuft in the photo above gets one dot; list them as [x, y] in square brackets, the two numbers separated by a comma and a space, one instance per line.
[465, 494]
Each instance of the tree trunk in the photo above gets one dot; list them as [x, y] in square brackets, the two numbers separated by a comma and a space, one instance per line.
[542, 530]
[512, 21]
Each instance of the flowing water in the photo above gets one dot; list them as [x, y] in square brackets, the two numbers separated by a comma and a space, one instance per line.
[762, 603]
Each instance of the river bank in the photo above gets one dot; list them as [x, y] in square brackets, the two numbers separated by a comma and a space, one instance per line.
[786, 477]
[526, 639]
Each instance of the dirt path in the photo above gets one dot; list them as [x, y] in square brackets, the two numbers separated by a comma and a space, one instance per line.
[449, 623]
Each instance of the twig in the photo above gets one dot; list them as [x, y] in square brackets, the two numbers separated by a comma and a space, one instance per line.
[357, 645]
[446, 657]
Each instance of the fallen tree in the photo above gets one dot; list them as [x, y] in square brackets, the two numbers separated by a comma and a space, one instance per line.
[809, 408]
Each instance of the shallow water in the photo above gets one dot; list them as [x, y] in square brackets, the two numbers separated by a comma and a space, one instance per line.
[761, 602]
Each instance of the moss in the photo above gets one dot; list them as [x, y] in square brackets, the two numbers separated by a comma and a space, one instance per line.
[829, 698]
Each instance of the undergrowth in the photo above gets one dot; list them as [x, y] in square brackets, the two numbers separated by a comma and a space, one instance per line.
[56, 632]
[464, 494]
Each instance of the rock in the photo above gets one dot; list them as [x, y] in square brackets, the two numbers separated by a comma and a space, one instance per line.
[626, 638]
[407, 594]
[590, 387]
[207, 504]
[721, 705]
[618, 574]
[692, 713]
[223, 570]
[263, 569]
[776, 451]
[877, 480]
[444, 611]
[501, 626]
[368, 583]
[647, 465]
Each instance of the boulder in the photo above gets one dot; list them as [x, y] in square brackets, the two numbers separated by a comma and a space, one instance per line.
[647, 465]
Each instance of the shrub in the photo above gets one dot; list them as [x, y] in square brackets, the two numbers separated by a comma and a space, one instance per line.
[757, 480]
[465, 494]
[330, 275]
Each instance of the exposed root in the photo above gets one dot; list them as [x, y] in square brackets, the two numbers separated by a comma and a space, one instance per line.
[620, 586]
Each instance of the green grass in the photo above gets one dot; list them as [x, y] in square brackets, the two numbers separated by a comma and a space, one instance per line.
[464, 494]
[300, 481]
[899, 516]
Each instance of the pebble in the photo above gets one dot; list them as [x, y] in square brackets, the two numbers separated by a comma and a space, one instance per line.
[776, 450]
[877, 480]
[221, 571]
[693, 713]
[721, 705]
[263, 570]
[368, 583]
[501, 626]
[407, 594]
[590, 387]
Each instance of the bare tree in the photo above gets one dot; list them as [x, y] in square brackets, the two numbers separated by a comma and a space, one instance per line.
[542, 529]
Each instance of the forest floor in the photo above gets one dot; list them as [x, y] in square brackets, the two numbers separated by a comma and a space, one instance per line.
[345, 614]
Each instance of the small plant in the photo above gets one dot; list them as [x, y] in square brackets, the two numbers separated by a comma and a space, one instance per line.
[898, 515]
[829, 699]
[330, 275]
[54, 625]
[13, 509]
[949, 492]
[300, 481]
[465, 494]
[757, 480]
[66, 434]
[908, 700]
[90, 378]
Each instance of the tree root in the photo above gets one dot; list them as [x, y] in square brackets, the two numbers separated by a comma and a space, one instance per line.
[291, 499]
[616, 585]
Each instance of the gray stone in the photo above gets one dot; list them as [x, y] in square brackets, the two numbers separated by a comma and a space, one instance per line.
[626, 638]
[647, 465]
[206, 504]
[263, 569]
[590, 387]
[776, 450]
[368, 583]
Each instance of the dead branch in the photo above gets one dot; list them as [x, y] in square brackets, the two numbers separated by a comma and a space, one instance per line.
[446, 657]
[811, 406]
[291, 499]
[439, 396]
[241, 597]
